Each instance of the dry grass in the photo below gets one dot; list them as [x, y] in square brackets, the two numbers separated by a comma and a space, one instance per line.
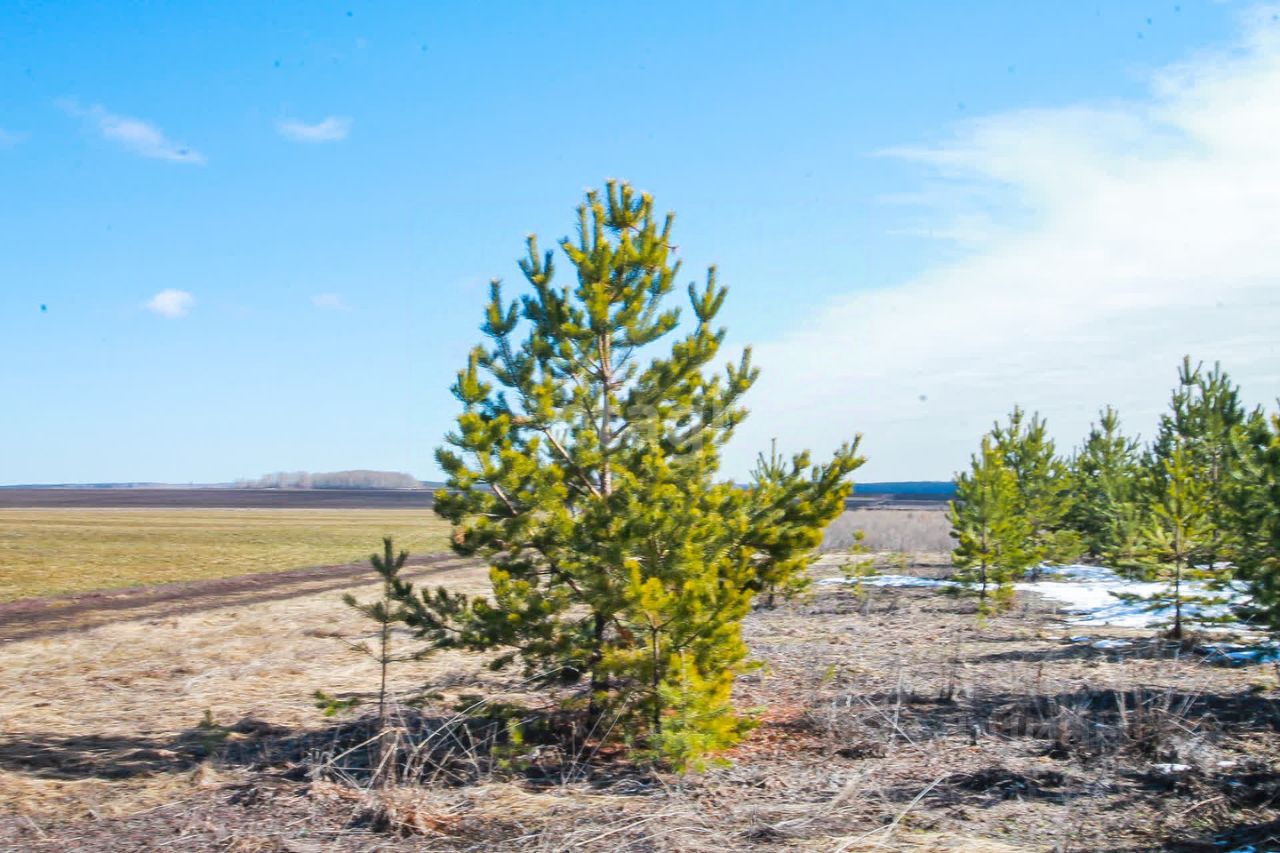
[117, 697]
[907, 531]
[904, 725]
[55, 551]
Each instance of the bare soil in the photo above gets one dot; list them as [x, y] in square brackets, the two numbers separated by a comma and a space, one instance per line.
[894, 722]
[41, 617]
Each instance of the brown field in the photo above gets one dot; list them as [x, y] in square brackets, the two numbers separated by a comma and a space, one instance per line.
[895, 722]
[905, 531]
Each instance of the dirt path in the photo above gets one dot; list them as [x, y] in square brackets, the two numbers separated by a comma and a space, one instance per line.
[41, 617]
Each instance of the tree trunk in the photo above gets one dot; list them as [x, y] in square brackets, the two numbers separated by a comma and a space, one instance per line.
[598, 683]
[1177, 601]
[656, 679]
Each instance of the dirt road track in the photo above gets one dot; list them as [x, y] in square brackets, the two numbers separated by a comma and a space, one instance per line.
[41, 617]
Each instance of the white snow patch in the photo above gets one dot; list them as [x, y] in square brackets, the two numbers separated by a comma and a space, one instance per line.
[1170, 769]
[1089, 595]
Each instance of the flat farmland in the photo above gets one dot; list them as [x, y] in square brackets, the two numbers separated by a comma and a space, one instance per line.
[56, 551]
[214, 498]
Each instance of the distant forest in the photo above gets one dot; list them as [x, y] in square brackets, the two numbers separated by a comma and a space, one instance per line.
[359, 479]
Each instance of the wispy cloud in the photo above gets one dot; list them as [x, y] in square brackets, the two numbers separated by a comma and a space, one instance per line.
[331, 129]
[132, 134]
[1123, 236]
[329, 302]
[172, 304]
[10, 137]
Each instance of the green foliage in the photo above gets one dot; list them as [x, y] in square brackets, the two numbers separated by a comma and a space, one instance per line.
[584, 469]
[1043, 488]
[1256, 513]
[1127, 532]
[331, 706]
[212, 734]
[1205, 419]
[1183, 518]
[1180, 525]
[862, 566]
[993, 535]
[1104, 475]
[789, 511]
[1201, 504]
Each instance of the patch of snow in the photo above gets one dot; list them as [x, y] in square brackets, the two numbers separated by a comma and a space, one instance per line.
[1090, 595]
[1170, 769]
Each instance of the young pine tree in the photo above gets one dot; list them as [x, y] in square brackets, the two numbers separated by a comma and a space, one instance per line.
[1205, 419]
[1043, 488]
[1104, 476]
[1179, 527]
[1256, 514]
[991, 531]
[584, 468]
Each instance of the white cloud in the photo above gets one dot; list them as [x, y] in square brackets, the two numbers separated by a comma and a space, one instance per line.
[172, 304]
[136, 135]
[331, 129]
[329, 302]
[1125, 235]
[9, 137]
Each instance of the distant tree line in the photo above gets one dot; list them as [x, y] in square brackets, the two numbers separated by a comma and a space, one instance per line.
[359, 479]
[1200, 502]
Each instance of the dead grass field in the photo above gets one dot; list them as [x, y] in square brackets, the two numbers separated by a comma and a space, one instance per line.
[905, 531]
[894, 723]
[57, 551]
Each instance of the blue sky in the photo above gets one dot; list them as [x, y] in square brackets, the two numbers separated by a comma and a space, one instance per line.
[244, 237]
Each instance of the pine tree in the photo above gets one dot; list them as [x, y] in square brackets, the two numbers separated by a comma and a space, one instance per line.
[1256, 513]
[1205, 419]
[1042, 485]
[789, 513]
[1180, 526]
[386, 612]
[1104, 476]
[992, 532]
[588, 478]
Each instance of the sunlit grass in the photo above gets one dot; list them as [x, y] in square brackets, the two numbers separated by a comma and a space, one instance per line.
[55, 551]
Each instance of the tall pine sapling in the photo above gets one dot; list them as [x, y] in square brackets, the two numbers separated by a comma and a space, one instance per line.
[584, 468]
[1043, 488]
[1104, 474]
[1256, 514]
[991, 531]
[1205, 418]
[1179, 528]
